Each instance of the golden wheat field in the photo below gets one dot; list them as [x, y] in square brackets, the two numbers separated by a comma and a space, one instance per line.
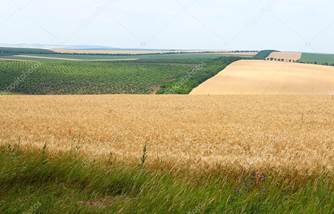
[253, 132]
[285, 56]
[261, 77]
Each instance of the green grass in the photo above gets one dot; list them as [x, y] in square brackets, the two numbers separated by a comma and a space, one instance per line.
[150, 75]
[6, 93]
[263, 54]
[34, 182]
[314, 58]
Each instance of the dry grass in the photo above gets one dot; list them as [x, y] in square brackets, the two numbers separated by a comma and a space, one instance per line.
[266, 77]
[285, 56]
[196, 132]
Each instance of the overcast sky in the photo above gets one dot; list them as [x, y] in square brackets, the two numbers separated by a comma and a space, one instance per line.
[301, 25]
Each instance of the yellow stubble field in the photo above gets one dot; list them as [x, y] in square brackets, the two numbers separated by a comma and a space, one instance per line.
[285, 56]
[253, 132]
[259, 77]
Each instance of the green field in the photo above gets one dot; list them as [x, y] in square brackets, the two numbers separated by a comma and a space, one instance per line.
[315, 58]
[49, 55]
[15, 51]
[263, 54]
[152, 74]
[87, 57]
[34, 182]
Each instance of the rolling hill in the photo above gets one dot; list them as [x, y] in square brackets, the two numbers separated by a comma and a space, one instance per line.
[266, 77]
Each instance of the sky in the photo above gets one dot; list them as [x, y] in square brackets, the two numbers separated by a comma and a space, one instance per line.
[287, 25]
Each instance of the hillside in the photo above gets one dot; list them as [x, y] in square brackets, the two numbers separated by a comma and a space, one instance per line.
[263, 54]
[266, 77]
[168, 74]
[284, 56]
[317, 58]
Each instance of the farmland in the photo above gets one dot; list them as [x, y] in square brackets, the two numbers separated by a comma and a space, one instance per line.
[254, 132]
[15, 51]
[166, 107]
[90, 57]
[152, 52]
[266, 77]
[87, 78]
[144, 76]
[314, 58]
[263, 54]
[284, 56]
[54, 57]
[257, 154]
[262, 144]
[122, 52]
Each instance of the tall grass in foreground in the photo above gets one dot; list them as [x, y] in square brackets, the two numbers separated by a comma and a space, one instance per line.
[36, 182]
